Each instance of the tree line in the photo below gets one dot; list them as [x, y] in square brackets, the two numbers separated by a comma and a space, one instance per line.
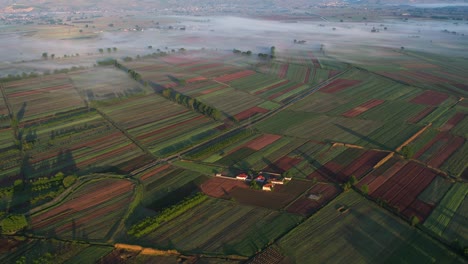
[192, 103]
[176, 96]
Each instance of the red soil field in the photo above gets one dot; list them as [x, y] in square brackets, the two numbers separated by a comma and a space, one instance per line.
[328, 171]
[306, 206]
[419, 209]
[339, 85]
[250, 112]
[363, 108]
[359, 167]
[457, 118]
[403, 188]
[445, 152]
[374, 180]
[362, 165]
[419, 116]
[220, 187]
[283, 164]
[234, 76]
[430, 98]
[262, 141]
[103, 192]
[283, 70]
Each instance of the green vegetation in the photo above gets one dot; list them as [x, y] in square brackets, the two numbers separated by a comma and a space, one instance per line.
[222, 227]
[220, 143]
[148, 225]
[359, 232]
[446, 209]
[13, 223]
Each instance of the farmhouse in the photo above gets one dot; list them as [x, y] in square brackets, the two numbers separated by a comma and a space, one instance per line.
[277, 181]
[268, 187]
[260, 179]
[242, 176]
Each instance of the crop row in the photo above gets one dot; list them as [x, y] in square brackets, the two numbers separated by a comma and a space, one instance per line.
[446, 209]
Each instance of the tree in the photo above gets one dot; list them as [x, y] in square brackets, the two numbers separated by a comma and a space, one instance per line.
[114, 49]
[109, 50]
[13, 223]
[365, 189]
[254, 185]
[69, 181]
[101, 51]
[414, 220]
[407, 152]
[402, 48]
[353, 180]
[44, 55]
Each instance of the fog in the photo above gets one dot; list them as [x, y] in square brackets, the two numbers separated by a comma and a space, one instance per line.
[227, 33]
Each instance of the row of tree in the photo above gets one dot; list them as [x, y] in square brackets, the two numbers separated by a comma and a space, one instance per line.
[178, 97]
[192, 103]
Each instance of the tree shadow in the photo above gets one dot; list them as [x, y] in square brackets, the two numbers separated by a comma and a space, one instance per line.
[363, 137]
[320, 168]
[21, 112]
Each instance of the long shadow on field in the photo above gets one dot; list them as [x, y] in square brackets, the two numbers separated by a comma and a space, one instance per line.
[320, 168]
[369, 238]
[270, 166]
[363, 137]
[21, 112]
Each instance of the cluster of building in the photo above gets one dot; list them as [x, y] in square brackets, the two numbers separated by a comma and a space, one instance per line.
[267, 180]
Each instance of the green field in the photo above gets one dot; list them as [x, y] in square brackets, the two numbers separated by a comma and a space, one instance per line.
[226, 228]
[362, 234]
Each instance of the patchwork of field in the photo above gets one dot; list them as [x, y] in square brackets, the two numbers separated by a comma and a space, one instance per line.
[353, 230]
[227, 228]
[360, 140]
[160, 125]
[41, 97]
[92, 211]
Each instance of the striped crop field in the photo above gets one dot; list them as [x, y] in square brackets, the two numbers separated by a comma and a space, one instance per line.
[80, 140]
[42, 97]
[90, 212]
[160, 125]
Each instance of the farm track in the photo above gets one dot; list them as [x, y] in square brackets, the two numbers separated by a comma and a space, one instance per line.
[136, 142]
[5, 98]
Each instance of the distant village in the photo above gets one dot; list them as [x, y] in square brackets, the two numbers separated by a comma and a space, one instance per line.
[266, 181]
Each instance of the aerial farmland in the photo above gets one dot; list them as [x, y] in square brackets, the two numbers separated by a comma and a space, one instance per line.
[216, 132]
